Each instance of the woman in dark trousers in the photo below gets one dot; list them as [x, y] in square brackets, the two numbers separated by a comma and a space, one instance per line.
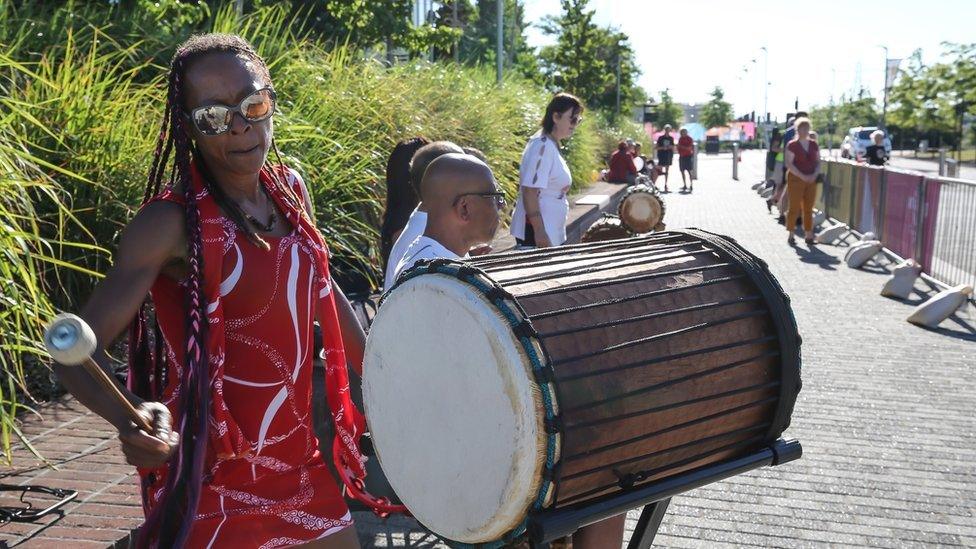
[665, 153]
[772, 174]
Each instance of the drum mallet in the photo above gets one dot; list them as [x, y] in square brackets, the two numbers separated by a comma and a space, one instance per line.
[70, 341]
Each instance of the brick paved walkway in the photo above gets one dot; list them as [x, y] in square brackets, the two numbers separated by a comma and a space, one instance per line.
[886, 419]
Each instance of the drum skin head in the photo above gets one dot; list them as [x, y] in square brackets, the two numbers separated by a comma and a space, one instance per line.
[641, 211]
[438, 344]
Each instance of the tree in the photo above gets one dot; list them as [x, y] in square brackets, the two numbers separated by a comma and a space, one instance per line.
[369, 23]
[717, 112]
[477, 43]
[848, 113]
[930, 102]
[584, 59]
[668, 112]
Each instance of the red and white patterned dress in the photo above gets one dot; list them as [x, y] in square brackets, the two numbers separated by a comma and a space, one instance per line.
[278, 492]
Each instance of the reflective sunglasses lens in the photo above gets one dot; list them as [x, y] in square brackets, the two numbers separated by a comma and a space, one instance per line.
[258, 106]
[212, 120]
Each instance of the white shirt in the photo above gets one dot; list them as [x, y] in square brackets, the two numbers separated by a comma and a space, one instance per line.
[424, 247]
[415, 227]
[544, 168]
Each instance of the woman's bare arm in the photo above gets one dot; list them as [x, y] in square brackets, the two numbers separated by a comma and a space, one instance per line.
[153, 240]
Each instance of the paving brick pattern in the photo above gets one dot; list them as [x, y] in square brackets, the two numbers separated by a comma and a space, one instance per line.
[885, 417]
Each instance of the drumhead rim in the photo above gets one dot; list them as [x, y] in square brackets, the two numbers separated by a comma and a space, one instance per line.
[542, 372]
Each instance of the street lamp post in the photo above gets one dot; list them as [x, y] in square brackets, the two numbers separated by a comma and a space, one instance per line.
[766, 83]
[884, 107]
[499, 49]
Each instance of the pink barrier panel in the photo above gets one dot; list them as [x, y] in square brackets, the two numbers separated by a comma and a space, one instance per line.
[901, 213]
[933, 189]
[867, 209]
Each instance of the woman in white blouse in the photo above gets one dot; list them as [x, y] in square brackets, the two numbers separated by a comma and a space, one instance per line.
[540, 212]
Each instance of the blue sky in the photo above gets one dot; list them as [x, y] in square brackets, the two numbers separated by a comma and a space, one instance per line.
[816, 47]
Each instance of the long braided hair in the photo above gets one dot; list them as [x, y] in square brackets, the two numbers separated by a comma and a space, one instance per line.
[168, 524]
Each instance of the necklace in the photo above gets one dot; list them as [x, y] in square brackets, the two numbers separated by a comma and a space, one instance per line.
[262, 227]
[265, 228]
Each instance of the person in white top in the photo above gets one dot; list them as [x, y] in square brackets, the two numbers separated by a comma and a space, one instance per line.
[540, 212]
[418, 219]
[463, 202]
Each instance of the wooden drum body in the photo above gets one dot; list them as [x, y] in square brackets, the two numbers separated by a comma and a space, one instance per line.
[525, 382]
[641, 208]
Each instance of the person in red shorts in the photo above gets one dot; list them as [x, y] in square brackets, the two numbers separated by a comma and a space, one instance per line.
[686, 159]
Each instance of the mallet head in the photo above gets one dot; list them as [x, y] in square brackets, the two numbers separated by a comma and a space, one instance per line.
[69, 340]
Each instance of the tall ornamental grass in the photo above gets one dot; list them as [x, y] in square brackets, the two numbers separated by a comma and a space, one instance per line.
[80, 105]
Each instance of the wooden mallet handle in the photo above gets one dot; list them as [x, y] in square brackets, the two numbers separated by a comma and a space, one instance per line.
[70, 341]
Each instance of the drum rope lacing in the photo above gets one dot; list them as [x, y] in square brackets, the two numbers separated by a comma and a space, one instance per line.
[542, 373]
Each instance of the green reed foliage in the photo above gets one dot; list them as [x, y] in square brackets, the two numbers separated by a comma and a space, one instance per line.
[81, 97]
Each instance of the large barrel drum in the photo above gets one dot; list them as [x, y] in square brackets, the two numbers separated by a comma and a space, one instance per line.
[526, 382]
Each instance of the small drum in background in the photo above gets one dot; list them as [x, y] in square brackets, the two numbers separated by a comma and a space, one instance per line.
[641, 208]
[527, 383]
[606, 228]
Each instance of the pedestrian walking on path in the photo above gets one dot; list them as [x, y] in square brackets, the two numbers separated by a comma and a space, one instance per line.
[237, 273]
[539, 219]
[774, 167]
[686, 159]
[665, 153]
[803, 167]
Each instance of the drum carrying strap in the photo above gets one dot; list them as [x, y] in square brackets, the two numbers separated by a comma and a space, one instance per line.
[542, 372]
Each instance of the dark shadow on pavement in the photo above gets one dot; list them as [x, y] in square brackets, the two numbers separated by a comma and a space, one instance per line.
[962, 330]
[875, 268]
[816, 257]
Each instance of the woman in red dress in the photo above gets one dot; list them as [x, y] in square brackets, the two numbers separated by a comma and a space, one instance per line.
[237, 273]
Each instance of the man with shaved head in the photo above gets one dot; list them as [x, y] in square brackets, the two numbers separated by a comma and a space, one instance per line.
[462, 202]
[418, 219]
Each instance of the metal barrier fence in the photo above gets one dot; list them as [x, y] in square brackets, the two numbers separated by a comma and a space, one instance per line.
[932, 219]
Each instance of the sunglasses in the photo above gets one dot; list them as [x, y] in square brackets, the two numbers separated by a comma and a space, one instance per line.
[217, 119]
[499, 197]
[574, 120]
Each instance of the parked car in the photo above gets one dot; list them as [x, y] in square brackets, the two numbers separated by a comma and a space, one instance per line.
[858, 140]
